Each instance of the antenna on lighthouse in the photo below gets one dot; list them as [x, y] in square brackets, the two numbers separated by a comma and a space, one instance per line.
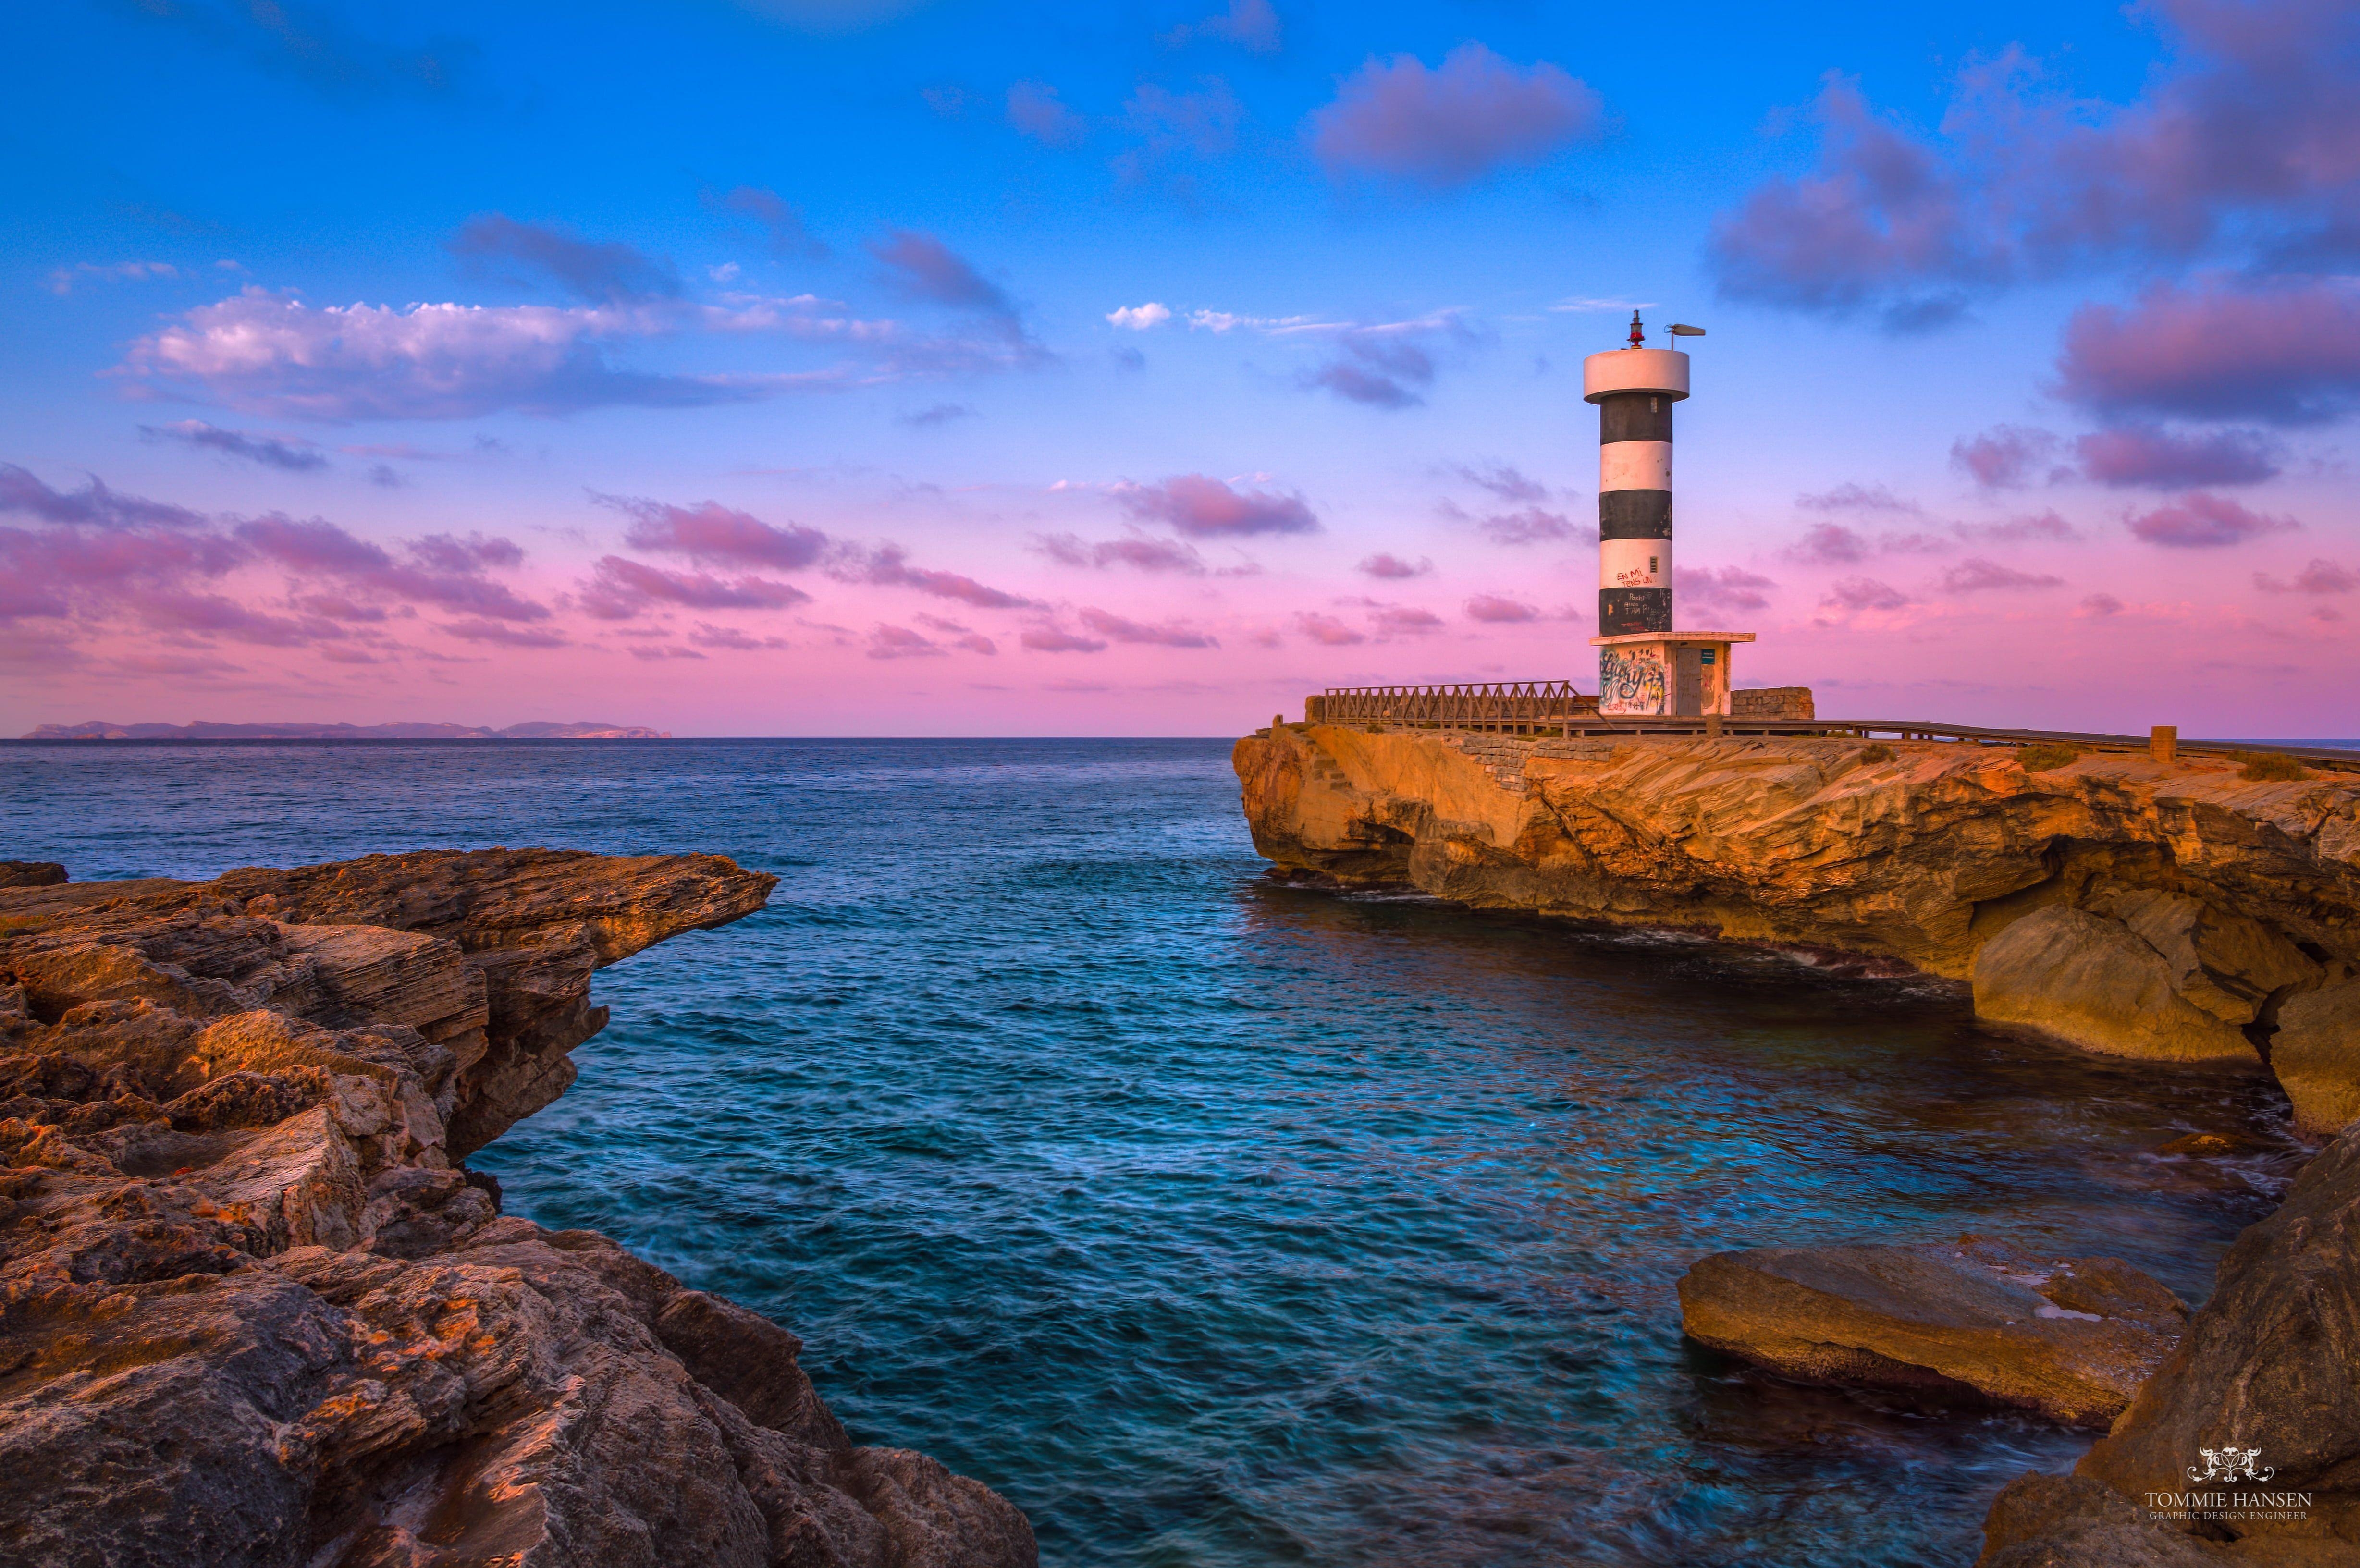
[1682, 330]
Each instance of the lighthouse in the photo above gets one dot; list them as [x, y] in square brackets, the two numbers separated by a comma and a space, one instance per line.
[1646, 667]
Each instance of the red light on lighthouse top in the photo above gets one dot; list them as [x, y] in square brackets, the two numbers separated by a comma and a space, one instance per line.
[1638, 336]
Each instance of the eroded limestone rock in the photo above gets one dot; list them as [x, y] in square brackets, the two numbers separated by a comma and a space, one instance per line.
[2176, 911]
[2267, 1364]
[2095, 982]
[251, 1311]
[2071, 1339]
[2316, 1055]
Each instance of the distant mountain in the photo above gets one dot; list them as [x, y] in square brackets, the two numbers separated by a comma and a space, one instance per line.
[99, 729]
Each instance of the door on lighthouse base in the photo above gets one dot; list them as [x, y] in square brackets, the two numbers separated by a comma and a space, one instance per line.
[1688, 686]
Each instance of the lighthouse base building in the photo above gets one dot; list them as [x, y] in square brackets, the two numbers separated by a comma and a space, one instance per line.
[1666, 674]
[1645, 667]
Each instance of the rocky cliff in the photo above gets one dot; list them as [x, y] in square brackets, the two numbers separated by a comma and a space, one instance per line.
[2164, 909]
[2244, 1447]
[252, 1310]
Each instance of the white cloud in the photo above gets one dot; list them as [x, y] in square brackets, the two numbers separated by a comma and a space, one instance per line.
[1138, 318]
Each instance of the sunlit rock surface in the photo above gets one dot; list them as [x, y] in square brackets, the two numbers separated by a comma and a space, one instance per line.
[2165, 910]
[252, 1310]
[2070, 1338]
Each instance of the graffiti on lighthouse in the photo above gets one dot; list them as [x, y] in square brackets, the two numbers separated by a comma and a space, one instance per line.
[1630, 680]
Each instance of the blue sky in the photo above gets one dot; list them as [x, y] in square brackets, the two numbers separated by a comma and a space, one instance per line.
[848, 269]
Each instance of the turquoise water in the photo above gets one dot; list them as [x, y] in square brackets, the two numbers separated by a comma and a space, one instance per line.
[1219, 1221]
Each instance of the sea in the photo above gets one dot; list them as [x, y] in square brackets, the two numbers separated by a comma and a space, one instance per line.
[1217, 1221]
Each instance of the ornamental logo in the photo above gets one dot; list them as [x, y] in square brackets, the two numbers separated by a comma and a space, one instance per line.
[2230, 1465]
[2217, 1494]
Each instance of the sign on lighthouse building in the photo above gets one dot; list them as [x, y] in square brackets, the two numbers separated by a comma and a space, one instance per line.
[1646, 667]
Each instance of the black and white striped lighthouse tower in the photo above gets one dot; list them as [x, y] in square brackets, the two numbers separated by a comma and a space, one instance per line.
[1646, 668]
[1635, 389]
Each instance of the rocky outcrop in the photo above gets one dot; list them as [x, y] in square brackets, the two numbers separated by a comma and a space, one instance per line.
[2170, 910]
[2071, 1339]
[253, 1312]
[2266, 1366]
[2093, 983]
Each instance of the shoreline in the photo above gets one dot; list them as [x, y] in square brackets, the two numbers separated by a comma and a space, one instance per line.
[236, 1117]
[2039, 890]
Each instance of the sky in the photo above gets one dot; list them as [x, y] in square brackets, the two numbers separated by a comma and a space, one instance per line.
[937, 368]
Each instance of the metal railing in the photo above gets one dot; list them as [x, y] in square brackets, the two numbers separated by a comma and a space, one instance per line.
[1474, 705]
[1505, 705]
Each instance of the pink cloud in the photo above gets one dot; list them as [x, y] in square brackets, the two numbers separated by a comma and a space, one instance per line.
[2285, 351]
[2318, 577]
[314, 546]
[764, 206]
[1830, 544]
[1035, 110]
[1507, 482]
[103, 563]
[1882, 216]
[2029, 527]
[1496, 607]
[1250, 24]
[503, 635]
[174, 610]
[1721, 588]
[709, 636]
[1204, 507]
[2243, 142]
[1117, 629]
[2004, 457]
[1976, 575]
[712, 534]
[619, 589]
[1454, 124]
[336, 607]
[1528, 525]
[2202, 521]
[447, 552]
[1328, 631]
[1850, 497]
[888, 565]
[1404, 620]
[1387, 565]
[1202, 123]
[1145, 554]
[2100, 605]
[2165, 460]
[21, 491]
[923, 267]
[613, 273]
[291, 453]
[1380, 374]
[440, 570]
[1049, 639]
[1864, 594]
[664, 651]
[900, 642]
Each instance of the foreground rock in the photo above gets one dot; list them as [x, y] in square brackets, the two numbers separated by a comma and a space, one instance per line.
[2164, 910]
[2071, 1339]
[2267, 1365]
[251, 1312]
